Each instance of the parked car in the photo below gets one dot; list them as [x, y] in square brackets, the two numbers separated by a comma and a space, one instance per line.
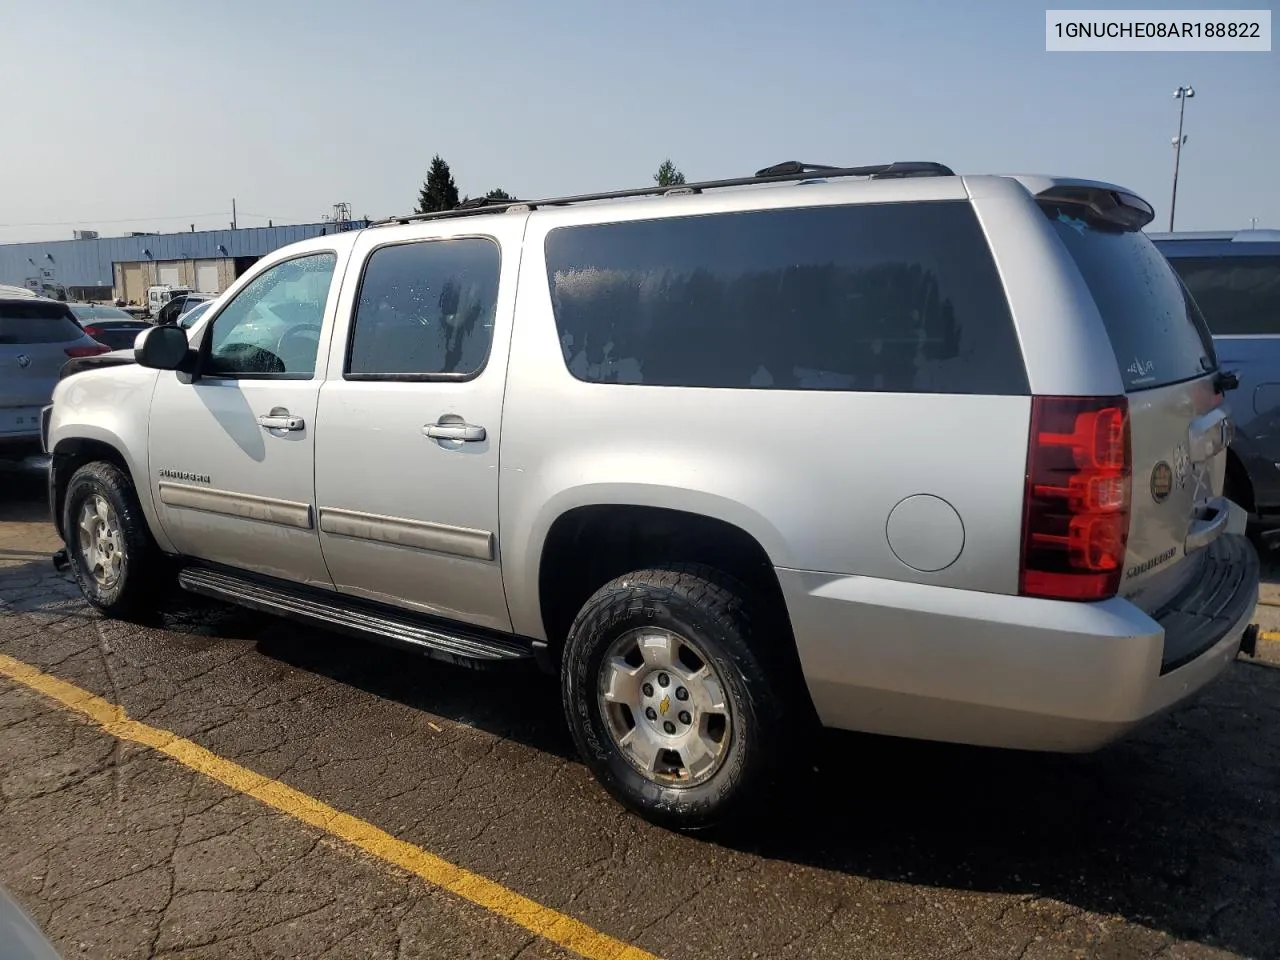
[898, 451]
[1235, 279]
[160, 294]
[37, 336]
[178, 305]
[109, 325]
[193, 312]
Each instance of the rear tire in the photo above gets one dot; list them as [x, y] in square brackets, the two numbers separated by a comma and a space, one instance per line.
[668, 697]
[114, 560]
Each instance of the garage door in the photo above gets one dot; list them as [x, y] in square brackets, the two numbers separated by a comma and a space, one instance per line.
[207, 277]
[135, 290]
[169, 274]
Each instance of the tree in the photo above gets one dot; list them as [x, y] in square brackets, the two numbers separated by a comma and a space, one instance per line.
[668, 175]
[497, 193]
[438, 192]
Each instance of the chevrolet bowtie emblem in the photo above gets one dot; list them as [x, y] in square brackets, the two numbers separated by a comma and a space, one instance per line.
[665, 705]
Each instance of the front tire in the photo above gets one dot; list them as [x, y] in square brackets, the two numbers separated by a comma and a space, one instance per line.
[668, 699]
[113, 558]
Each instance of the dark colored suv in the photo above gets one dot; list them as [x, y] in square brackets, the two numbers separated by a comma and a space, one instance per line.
[1235, 279]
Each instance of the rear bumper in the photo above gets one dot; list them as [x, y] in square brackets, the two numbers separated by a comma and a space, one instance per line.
[915, 660]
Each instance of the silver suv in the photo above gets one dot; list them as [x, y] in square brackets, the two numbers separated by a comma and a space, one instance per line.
[884, 448]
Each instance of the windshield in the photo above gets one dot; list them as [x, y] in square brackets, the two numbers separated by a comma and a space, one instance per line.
[1156, 330]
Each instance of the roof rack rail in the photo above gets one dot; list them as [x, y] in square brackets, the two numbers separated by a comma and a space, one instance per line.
[473, 203]
[789, 171]
[794, 166]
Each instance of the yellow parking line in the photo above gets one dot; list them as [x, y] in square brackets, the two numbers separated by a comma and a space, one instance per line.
[550, 924]
[1269, 634]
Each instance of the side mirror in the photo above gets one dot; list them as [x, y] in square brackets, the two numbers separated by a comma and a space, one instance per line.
[162, 348]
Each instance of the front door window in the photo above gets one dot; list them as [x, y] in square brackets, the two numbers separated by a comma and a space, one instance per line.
[271, 330]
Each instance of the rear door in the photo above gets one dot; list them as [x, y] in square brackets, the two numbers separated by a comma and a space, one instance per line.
[410, 418]
[34, 339]
[1180, 424]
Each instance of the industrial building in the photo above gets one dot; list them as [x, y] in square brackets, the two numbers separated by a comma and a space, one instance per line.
[106, 268]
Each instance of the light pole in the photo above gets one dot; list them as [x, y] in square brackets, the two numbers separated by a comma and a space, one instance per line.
[1182, 95]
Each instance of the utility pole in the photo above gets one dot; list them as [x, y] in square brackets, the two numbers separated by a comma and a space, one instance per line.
[233, 211]
[1253, 223]
[1182, 95]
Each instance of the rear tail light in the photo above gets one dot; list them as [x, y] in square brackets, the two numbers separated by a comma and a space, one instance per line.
[1075, 523]
[92, 351]
[92, 330]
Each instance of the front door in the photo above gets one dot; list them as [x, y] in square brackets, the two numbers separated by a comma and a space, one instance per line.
[409, 421]
[231, 450]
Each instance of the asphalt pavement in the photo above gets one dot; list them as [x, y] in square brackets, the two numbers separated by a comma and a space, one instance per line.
[224, 784]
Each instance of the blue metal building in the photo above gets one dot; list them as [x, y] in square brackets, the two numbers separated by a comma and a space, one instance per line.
[108, 267]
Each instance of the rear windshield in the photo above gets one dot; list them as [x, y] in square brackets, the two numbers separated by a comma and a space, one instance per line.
[93, 311]
[1239, 296]
[37, 323]
[1156, 330]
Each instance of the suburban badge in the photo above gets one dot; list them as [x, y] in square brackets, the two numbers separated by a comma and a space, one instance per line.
[167, 474]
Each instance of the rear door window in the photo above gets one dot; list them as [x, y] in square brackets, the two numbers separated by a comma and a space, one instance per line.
[37, 323]
[1156, 330]
[874, 297]
[426, 311]
[1239, 296]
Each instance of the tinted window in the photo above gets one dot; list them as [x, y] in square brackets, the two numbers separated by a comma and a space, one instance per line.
[272, 327]
[426, 309]
[1156, 332]
[886, 297]
[37, 323]
[1238, 295]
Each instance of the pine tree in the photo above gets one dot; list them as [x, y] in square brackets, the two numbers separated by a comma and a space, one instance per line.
[668, 175]
[497, 193]
[438, 192]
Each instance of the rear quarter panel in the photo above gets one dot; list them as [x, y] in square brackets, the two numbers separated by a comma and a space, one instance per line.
[812, 475]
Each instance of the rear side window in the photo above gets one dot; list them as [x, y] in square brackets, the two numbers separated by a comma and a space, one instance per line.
[1156, 331]
[1239, 296]
[425, 311]
[883, 297]
[37, 323]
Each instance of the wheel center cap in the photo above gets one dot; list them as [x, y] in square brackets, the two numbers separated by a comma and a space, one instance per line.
[665, 704]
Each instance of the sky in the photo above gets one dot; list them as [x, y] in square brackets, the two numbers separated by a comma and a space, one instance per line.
[152, 115]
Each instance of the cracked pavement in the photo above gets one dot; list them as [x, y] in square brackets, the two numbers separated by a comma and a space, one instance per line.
[1164, 846]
